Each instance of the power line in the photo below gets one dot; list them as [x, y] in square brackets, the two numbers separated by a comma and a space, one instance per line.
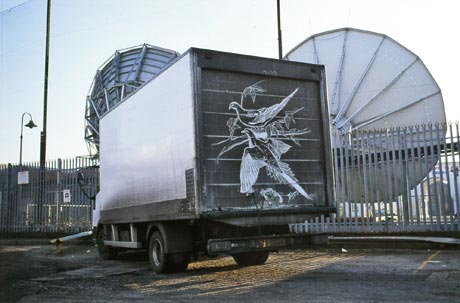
[14, 7]
[6, 11]
[15, 50]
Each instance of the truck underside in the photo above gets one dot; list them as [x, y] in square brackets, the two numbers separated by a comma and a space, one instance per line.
[172, 245]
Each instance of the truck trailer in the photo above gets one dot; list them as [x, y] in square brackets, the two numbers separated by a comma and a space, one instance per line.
[216, 154]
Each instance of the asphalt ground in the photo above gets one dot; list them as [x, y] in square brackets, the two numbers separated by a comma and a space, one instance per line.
[35, 273]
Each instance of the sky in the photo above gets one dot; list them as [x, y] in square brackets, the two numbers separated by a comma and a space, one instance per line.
[85, 33]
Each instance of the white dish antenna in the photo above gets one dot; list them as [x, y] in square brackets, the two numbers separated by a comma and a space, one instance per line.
[374, 84]
[373, 81]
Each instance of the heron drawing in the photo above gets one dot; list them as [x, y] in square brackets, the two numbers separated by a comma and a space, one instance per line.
[260, 116]
[263, 132]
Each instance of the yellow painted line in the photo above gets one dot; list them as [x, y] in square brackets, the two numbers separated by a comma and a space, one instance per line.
[424, 263]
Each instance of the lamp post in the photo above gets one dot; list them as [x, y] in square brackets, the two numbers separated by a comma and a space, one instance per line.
[30, 125]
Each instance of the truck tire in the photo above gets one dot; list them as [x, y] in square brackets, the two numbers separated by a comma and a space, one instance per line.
[105, 252]
[251, 258]
[162, 262]
[178, 262]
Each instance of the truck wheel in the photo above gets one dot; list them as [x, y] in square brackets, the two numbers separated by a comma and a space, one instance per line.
[251, 258]
[162, 262]
[105, 252]
[178, 262]
[157, 253]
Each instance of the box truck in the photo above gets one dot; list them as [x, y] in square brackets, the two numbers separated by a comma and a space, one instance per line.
[216, 154]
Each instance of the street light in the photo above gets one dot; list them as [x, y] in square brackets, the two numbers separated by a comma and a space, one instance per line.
[31, 125]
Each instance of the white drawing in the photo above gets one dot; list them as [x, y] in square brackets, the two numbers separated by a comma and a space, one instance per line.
[271, 197]
[263, 132]
[292, 195]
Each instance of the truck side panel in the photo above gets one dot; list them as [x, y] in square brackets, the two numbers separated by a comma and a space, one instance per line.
[148, 151]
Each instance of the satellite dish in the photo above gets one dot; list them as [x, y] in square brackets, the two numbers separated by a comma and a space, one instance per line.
[373, 81]
[374, 84]
[120, 76]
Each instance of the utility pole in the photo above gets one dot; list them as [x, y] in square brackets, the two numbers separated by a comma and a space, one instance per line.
[45, 90]
[280, 40]
[39, 220]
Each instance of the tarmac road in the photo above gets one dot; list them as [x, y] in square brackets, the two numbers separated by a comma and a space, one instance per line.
[34, 273]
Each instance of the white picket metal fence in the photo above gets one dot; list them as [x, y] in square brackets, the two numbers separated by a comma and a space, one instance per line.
[395, 180]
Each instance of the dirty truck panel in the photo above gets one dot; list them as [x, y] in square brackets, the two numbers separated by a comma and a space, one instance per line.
[219, 135]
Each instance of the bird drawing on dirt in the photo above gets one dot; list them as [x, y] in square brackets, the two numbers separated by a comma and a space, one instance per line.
[263, 133]
[256, 156]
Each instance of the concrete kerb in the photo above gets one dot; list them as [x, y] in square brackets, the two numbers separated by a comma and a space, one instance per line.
[40, 241]
[402, 242]
[23, 241]
[405, 242]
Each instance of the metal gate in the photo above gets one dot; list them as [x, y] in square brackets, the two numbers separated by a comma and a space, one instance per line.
[47, 200]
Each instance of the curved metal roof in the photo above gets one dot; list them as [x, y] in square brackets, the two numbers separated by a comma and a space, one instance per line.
[121, 75]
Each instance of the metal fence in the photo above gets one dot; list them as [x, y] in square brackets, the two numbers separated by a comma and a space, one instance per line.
[47, 200]
[394, 180]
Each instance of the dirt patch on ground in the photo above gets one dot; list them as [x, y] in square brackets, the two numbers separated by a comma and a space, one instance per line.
[37, 274]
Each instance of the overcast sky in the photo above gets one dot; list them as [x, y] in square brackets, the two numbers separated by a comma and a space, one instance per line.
[85, 33]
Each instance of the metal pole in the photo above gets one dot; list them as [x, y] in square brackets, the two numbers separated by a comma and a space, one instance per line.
[9, 198]
[30, 125]
[280, 40]
[20, 142]
[45, 91]
[59, 191]
[20, 161]
[41, 199]
[405, 180]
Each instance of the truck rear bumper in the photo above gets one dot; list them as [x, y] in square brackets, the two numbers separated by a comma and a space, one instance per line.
[251, 218]
[305, 210]
[264, 243]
